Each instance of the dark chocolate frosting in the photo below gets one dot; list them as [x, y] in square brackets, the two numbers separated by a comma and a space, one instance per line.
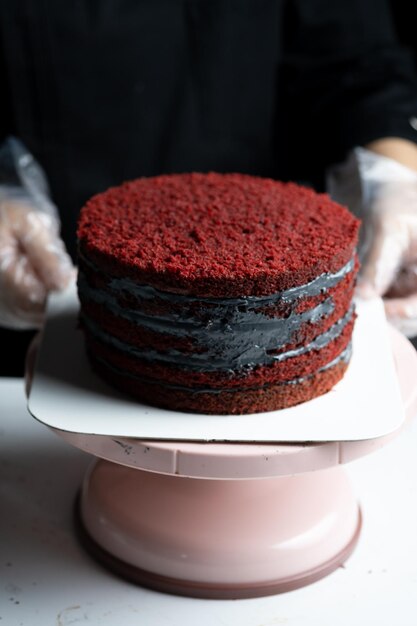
[231, 333]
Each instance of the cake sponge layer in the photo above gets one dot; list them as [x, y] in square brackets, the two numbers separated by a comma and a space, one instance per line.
[216, 234]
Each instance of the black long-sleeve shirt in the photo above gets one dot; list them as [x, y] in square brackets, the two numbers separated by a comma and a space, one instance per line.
[103, 91]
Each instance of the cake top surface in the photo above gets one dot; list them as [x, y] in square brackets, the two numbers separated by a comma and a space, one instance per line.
[216, 234]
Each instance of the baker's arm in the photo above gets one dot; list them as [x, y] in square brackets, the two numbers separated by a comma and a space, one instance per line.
[388, 190]
[379, 183]
[401, 150]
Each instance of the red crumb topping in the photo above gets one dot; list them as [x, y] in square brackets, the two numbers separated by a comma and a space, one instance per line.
[216, 234]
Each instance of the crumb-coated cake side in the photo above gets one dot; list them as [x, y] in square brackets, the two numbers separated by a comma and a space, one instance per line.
[217, 293]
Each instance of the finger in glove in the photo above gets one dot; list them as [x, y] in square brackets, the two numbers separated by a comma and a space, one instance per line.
[46, 251]
[384, 258]
[402, 313]
[22, 291]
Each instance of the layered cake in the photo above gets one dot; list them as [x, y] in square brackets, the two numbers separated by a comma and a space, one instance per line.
[217, 293]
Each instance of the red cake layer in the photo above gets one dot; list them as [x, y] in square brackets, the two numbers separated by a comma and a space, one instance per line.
[216, 234]
[226, 402]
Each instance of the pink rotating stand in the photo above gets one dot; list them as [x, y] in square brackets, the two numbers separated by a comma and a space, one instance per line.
[225, 520]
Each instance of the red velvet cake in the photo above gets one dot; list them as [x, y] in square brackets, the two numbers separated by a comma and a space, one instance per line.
[217, 293]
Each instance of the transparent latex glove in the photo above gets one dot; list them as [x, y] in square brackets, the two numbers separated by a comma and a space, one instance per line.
[33, 259]
[383, 193]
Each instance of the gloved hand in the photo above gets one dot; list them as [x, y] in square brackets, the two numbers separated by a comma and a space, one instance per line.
[383, 193]
[33, 259]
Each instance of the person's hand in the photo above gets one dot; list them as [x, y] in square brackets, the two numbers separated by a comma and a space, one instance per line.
[33, 260]
[382, 192]
[389, 267]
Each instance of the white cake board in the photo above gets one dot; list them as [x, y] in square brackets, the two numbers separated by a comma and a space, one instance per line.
[68, 396]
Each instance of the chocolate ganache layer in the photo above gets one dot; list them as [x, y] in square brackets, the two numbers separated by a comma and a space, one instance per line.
[215, 344]
[343, 357]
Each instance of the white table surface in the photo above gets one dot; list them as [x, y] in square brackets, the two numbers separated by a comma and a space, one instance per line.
[46, 579]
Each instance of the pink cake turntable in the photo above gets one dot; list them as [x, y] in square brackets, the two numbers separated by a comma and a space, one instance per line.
[224, 520]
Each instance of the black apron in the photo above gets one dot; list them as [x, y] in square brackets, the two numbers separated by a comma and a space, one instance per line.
[102, 91]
